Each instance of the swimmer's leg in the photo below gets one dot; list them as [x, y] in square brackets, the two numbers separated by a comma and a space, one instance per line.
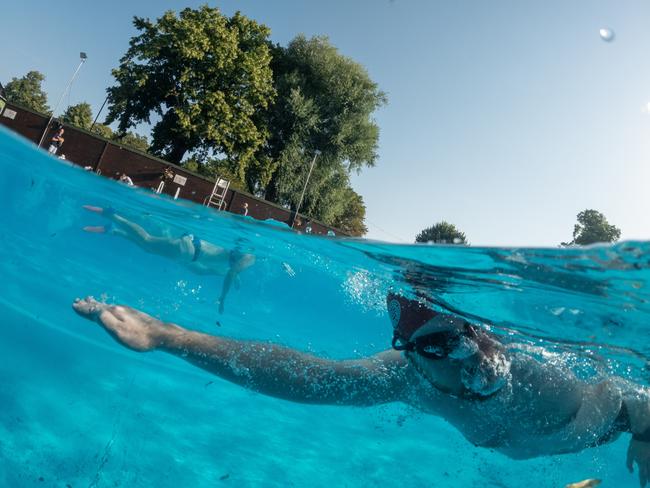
[163, 246]
[264, 367]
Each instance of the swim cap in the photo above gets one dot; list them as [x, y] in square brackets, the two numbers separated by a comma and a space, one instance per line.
[415, 330]
[407, 316]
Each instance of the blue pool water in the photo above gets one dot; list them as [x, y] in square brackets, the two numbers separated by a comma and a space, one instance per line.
[78, 410]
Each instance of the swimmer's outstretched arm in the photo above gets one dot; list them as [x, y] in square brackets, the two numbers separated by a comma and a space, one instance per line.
[267, 368]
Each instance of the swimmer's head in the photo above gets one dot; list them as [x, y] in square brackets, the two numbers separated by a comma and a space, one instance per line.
[431, 334]
[428, 336]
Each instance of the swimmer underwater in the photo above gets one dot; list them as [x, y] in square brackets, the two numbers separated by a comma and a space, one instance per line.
[440, 364]
[200, 256]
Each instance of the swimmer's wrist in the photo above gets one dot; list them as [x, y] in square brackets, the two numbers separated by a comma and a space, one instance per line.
[170, 336]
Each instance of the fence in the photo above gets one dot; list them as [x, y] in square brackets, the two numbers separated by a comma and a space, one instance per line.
[111, 159]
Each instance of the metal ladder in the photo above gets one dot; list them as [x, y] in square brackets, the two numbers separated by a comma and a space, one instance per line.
[218, 195]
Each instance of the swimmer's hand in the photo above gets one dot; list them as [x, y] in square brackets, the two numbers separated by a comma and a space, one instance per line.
[131, 328]
[639, 452]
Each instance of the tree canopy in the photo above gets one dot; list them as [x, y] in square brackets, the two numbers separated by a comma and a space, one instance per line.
[227, 102]
[325, 103]
[593, 227]
[442, 233]
[351, 220]
[80, 115]
[132, 140]
[27, 91]
[205, 77]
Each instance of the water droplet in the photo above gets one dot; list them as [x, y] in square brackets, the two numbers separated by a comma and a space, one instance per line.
[606, 34]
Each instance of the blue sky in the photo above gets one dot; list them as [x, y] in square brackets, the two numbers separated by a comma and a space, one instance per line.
[504, 117]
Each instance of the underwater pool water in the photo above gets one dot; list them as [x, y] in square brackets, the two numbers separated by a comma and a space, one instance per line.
[77, 409]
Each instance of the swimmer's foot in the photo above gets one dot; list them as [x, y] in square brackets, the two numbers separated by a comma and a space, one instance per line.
[106, 212]
[131, 328]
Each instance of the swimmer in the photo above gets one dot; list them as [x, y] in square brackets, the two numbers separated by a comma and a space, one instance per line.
[126, 179]
[496, 396]
[199, 256]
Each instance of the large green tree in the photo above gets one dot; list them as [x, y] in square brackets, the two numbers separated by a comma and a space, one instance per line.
[442, 233]
[593, 227]
[324, 104]
[205, 76]
[27, 91]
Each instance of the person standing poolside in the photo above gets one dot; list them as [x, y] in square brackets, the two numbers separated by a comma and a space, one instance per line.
[124, 178]
[57, 141]
[199, 256]
[441, 364]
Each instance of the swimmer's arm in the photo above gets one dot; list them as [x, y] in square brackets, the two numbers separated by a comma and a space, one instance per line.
[292, 375]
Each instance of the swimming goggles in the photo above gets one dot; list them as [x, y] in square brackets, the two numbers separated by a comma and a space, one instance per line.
[409, 316]
[437, 345]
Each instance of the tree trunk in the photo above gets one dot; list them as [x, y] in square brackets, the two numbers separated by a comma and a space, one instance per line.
[270, 191]
[178, 151]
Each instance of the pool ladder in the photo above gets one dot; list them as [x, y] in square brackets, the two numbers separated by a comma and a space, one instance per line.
[218, 196]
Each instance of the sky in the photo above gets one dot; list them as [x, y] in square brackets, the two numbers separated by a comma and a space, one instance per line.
[504, 117]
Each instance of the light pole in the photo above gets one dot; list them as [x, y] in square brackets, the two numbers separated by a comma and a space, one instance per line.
[100, 111]
[82, 57]
[302, 195]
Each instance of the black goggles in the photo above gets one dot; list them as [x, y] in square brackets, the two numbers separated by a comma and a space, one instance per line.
[437, 345]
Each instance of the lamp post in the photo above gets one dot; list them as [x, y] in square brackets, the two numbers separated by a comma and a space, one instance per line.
[302, 195]
[82, 57]
[100, 111]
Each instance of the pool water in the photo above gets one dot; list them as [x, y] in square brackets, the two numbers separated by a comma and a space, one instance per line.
[77, 409]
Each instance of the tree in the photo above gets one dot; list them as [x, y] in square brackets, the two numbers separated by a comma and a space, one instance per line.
[27, 91]
[324, 103]
[593, 227]
[133, 140]
[103, 130]
[206, 76]
[351, 221]
[442, 233]
[80, 115]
